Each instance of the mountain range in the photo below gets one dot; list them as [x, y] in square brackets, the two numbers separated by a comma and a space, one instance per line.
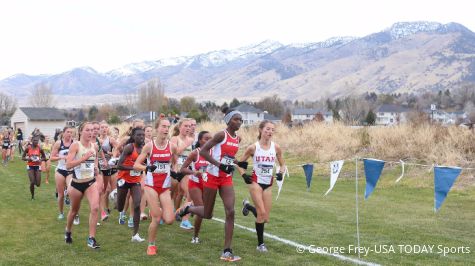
[406, 57]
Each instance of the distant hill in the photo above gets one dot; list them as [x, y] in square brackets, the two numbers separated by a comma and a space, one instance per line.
[407, 57]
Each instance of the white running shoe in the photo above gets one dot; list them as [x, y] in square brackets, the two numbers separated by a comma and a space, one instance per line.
[262, 248]
[60, 216]
[137, 238]
[195, 240]
[76, 220]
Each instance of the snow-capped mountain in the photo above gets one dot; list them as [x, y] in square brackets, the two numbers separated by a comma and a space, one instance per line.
[406, 57]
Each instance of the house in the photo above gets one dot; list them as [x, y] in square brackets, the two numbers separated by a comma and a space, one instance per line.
[391, 114]
[271, 118]
[446, 118]
[250, 114]
[147, 117]
[46, 119]
[307, 114]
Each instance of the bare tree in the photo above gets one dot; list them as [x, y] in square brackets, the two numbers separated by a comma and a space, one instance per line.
[7, 107]
[272, 104]
[151, 96]
[354, 110]
[42, 96]
[187, 103]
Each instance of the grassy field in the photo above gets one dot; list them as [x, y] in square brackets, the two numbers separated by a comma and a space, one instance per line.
[396, 214]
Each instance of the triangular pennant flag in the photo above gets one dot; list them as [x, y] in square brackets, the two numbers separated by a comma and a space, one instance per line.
[372, 171]
[335, 168]
[444, 178]
[308, 169]
[402, 174]
[281, 183]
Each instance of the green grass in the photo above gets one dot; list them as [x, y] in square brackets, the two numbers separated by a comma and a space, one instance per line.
[395, 214]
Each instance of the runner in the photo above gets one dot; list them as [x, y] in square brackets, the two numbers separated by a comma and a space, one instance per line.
[33, 155]
[224, 146]
[195, 184]
[46, 165]
[183, 142]
[129, 180]
[6, 141]
[264, 154]
[82, 157]
[62, 175]
[108, 173]
[19, 138]
[161, 157]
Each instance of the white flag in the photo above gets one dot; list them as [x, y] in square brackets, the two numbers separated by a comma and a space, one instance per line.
[402, 174]
[335, 168]
[281, 183]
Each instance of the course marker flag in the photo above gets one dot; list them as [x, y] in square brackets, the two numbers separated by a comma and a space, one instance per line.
[335, 168]
[372, 171]
[444, 178]
[308, 170]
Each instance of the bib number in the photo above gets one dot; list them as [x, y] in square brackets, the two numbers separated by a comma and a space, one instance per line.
[162, 167]
[204, 176]
[264, 170]
[181, 159]
[135, 173]
[227, 160]
[120, 182]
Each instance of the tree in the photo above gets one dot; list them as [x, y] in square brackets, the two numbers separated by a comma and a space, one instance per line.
[235, 102]
[319, 117]
[272, 104]
[7, 108]
[92, 113]
[151, 96]
[370, 118]
[354, 110]
[287, 117]
[187, 104]
[42, 96]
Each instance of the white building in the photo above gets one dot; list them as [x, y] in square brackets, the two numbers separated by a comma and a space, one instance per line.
[306, 114]
[45, 119]
[391, 114]
[446, 118]
[250, 114]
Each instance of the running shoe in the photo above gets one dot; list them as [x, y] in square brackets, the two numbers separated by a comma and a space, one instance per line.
[60, 216]
[262, 248]
[152, 250]
[68, 238]
[229, 256]
[183, 210]
[130, 223]
[121, 217]
[245, 211]
[195, 240]
[67, 201]
[104, 215]
[76, 220]
[137, 238]
[177, 217]
[161, 221]
[143, 216]
[92, 243]
[186, 225]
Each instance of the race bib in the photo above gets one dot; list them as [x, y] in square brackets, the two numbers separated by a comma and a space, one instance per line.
[181, 159]
[205, 176]
[86, 169]
[47, 155]
[162, 167]
[120, 182]
[264, 170]
[227, 160]
[135, 173]
[35, 158]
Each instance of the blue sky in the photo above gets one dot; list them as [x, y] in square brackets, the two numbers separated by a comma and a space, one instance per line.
[50, 36]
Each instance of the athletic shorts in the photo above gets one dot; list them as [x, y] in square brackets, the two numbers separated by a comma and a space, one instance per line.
[264, 186]
[215, 182]
[82, 187]
[192, 184]
[64, 173]
[159, 190]
[33, 167]
[109, 172]
[126, 184]
[6, 147]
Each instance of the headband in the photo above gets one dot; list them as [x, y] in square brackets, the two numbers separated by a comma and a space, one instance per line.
[230, 115]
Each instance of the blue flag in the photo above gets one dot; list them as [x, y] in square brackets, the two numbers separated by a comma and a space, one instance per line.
[372, 171]
[308, 169]
[444, 178]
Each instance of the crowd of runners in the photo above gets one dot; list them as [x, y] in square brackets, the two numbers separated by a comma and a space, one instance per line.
[162, 172]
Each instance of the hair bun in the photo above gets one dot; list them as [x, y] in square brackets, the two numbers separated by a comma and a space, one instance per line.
[225, 109]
